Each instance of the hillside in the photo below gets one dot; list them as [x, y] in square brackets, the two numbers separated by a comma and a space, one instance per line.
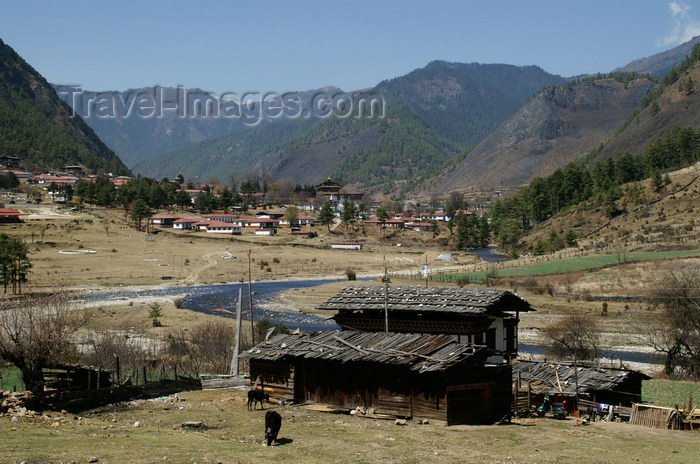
[464, 102]
[236, 153]
[36, 125]
[387, 156]
[557, 126]
[137, 139]
[660, 64]
[379, 155]
[674, 107]
[650, 218]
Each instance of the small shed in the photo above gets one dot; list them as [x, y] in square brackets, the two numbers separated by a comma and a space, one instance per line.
[600, 385]
[405, 375]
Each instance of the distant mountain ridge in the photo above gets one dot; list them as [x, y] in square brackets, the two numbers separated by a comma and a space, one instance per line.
[183, 117]
[660, 64]
[559, 125]
[37, 126]
[421, 133]
[677, 106]
[464, 102]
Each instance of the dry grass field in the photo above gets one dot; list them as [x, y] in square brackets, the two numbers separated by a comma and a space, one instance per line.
[126, 257]
[231, 434]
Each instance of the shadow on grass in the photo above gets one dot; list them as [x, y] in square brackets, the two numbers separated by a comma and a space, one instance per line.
[521, 425]
[284, 441]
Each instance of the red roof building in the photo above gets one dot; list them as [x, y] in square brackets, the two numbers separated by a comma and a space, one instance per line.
[10, 215]
[163, 219]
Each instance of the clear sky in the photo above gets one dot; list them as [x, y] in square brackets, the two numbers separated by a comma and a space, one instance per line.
[298, 45]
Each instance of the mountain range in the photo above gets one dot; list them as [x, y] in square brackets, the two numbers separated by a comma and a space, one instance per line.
[432, 115]
[445, 127]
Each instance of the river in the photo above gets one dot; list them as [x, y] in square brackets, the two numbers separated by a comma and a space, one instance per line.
[489, 254]
[206, 298]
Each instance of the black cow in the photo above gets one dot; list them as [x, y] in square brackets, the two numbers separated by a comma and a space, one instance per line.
[255, 397]
[273, 421]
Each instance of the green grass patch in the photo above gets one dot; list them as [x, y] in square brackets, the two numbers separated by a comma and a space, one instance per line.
[11, 379]
[670, 392]
[567, 265]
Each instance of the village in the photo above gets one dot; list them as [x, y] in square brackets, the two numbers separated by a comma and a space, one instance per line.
[403, 349]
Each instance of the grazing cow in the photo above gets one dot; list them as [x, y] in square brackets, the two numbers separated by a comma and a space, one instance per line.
[255, 397]
[273, 421]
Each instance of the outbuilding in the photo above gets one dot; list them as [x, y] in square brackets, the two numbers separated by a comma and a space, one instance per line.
[597, 386]
[403, 375]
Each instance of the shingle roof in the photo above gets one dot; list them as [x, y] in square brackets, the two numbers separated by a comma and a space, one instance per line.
[454, 300]
[421, 353]
[559, 377]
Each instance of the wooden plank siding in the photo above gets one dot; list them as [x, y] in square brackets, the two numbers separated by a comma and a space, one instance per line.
[483, 397]
[404, 375]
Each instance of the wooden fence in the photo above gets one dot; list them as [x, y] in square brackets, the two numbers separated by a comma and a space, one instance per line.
[657, 417]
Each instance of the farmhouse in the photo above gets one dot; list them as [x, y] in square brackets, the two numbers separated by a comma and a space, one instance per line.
[481, 316]
[220, 217]
[258, 223]
[405, 375]
[270, 215]
[303, 220]
[163, 220]
[219, 227]
[418, 226]
[599, 385]
[18, 174]
[48, 179]
[10, 162]
[186, 223]
[211, 227]
[10, 215]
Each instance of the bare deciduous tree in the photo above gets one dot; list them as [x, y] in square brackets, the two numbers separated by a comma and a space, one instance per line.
[677, 332]
[36, 331]
[207, 347]
[574, 336]
[106, 347]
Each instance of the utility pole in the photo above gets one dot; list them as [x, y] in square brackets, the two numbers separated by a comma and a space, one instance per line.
[425, 270]
[237, 345]
[576, 380]
[386, 281]
[250, 302]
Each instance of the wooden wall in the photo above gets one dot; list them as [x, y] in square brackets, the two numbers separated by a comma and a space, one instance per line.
[463, 395]
[478, 395]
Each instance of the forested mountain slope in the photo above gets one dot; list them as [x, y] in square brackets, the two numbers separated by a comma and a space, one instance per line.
[37, 126]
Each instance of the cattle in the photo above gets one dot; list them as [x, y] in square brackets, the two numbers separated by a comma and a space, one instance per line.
[255, 397]
[273, 421]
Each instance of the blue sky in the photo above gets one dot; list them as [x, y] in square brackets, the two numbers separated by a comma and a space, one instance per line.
[298, 45]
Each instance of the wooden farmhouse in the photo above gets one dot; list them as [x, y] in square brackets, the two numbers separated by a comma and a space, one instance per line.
[405, 375]
[480, 316]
